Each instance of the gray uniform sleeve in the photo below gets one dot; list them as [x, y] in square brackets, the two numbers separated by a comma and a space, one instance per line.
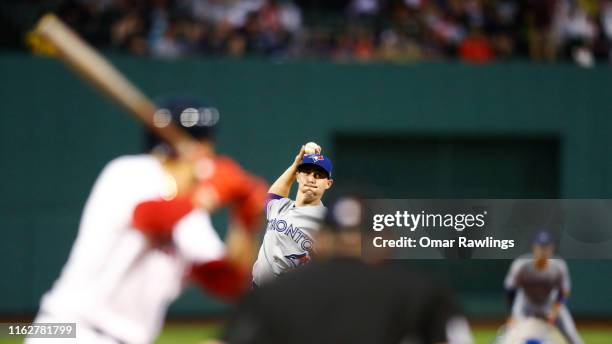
[511, 277]
[565, 277]
[272, 198]
[275, 206]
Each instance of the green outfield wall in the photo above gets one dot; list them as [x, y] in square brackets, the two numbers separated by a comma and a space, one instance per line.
[422, 130]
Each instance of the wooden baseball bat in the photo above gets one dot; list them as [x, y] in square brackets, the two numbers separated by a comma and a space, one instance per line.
[87, 62]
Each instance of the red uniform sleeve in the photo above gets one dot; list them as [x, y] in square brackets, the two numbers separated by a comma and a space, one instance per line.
[250, 208]
[245, 192]
[222, 279]
[156, 218]
[228, 179]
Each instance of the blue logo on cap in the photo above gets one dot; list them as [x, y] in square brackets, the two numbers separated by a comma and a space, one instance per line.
[318, 160]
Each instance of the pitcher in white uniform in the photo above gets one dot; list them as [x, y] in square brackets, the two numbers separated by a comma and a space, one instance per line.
[288, 241]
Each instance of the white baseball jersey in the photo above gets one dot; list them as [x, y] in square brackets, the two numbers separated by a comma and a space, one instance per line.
[288, 240]
[114, 282]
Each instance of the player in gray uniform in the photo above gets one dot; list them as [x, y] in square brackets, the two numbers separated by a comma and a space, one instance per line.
[288, 241]
[538, 285]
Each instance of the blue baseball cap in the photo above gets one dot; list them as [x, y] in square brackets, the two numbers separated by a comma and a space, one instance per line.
[543, 238]
[319, 161]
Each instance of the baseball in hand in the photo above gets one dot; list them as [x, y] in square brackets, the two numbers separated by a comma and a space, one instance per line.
[312, 148]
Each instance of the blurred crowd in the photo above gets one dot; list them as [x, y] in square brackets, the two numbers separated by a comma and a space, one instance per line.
[390, 30]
